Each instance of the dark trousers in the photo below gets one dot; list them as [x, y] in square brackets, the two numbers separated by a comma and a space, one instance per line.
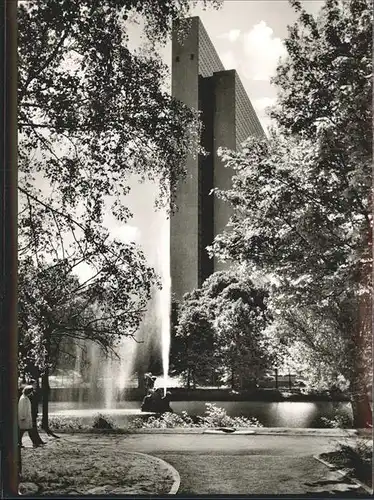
[36, 438]
[33, 435]
[21, 433]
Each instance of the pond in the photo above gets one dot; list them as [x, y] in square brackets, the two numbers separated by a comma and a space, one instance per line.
[270, 414]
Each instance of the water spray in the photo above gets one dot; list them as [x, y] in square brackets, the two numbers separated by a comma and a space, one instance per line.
[165, 306]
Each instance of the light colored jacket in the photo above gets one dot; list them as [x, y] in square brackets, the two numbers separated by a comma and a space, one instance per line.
[24, 413]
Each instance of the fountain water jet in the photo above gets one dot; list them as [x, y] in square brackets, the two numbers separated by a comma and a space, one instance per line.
[107, 377]
[165, 303]
[118, 371]
[154, 331]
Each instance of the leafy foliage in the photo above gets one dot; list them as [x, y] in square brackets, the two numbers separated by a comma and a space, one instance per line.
[103, 422]
[326, 80]
[165, 421]
[356, 459]
[71, 424]
[217, 417]
[339, 421]
[193, 355]
[214, 417]
[220, 329]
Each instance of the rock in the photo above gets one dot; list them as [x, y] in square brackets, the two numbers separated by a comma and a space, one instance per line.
[100, 490]
[127, 490]
[226, 429]
[28, 489]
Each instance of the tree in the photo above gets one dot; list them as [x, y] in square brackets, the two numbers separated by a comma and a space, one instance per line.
[193, 347]
[326, 79]
[55, 306]
[242, 343]
[220, 331]
[301, 200]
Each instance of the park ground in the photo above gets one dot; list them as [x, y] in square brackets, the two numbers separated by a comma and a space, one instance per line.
[207, 464]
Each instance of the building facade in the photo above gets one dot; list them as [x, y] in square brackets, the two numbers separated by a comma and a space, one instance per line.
[201, 82]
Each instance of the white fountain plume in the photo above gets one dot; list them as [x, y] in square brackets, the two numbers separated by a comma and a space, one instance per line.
[165, 300]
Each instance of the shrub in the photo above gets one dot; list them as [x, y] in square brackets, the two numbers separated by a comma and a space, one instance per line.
[71, 424]
[76, 424]
[103, 422]
[339, 421]
[217, 417]
[168, 420]
[360, 451]
[357, 458]
[214, 417]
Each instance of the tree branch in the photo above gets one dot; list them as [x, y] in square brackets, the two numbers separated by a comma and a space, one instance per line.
[38, 71]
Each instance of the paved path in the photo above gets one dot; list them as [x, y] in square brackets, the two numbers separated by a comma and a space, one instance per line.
[229, 464]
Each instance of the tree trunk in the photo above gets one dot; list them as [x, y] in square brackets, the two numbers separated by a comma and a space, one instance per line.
[362, 414]
[45, 399]
[45, 389]
[45, 383]
[35, 410]
[232, 379]
[362, 341]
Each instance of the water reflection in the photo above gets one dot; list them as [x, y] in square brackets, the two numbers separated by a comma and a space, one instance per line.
[280, 414]
[299, 414]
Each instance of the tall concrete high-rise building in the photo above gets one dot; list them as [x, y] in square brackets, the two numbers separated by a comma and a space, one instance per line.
[201, 82]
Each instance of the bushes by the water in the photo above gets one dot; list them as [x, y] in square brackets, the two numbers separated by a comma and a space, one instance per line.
[164, 421]
[214, 417]
[67, 424]
[103, 422]
[217, 417]
[76, 424]
[338, 421]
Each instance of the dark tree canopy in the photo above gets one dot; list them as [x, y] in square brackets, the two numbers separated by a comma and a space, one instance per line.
[220, 335]
[330, 60]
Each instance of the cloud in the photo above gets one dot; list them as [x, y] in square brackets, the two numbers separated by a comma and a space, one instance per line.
[231, 35]
[263, 52]
[125, 233]
[229, 60]
[262, 103]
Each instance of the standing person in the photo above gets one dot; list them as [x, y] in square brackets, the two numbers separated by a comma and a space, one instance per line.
[34, 399]
[24, 415]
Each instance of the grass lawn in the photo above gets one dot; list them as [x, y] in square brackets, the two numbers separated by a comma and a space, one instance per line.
[252, 474]
[63, 467]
